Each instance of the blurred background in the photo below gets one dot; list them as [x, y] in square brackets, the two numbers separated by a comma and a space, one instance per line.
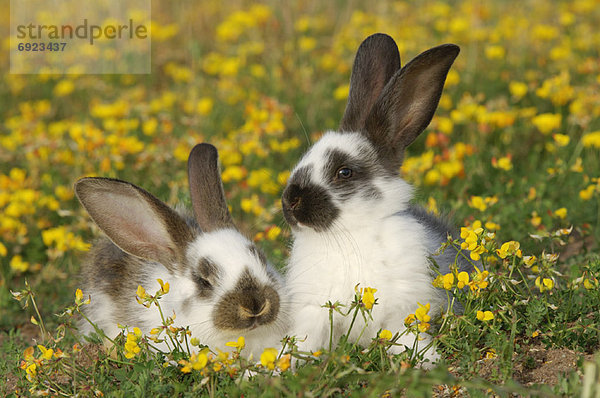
[514, 143]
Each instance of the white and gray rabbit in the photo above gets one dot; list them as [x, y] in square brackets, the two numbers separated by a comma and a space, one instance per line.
[221, 284]
[350, 211]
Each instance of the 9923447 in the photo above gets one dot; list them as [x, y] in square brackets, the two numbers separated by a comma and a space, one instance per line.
[41, 46]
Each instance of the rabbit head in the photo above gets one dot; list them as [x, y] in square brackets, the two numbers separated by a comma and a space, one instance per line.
[350, 172]
[221, 283]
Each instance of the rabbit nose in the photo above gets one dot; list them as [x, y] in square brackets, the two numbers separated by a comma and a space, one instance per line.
[292, 197]
[257, 310]
[294, 202]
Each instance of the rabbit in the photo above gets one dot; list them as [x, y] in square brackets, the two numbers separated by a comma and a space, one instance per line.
[349, 210]
[221, 284]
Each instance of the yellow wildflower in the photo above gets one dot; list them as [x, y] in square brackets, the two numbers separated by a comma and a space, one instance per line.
[561, 213]
[478, 203]
[509, 248]
[587, 193]
[131, 345]
[17, 264]
[463, 279]
[494, 51]
[546, 122]
[46, 352]
[544, 284]
[561, 139]
[273, 232]
[197, 362]
[479, 281]
[485, 316]
[368, 297]
[284, 362]
[239, 344]
[504, 163]
[422, 312]
[591, 139]
[164, 287]
[268, 357]
[341, 93]
[385, 334]
[3, 251]
[517, 89]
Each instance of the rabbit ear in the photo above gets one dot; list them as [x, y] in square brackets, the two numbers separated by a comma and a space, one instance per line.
[206, 189]
[377, 59]
[408, 103]
[135, 220]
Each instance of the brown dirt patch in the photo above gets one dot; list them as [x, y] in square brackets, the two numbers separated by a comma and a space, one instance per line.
[537, 365]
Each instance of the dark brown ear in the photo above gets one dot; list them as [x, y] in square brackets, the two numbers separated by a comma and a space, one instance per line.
[377, 59]
[135, 220]
[206, 189]
[408, 103]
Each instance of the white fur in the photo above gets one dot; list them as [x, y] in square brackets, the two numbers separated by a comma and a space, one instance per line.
[369, 244]
[226, 248]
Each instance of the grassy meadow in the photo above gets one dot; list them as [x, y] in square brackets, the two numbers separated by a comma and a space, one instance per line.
[512, 155]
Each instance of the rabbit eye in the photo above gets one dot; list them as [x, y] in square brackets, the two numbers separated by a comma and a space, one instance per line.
[344, 173]
[202, 283]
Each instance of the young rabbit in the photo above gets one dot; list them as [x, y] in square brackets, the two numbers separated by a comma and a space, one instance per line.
[220, 283]
[349, 209]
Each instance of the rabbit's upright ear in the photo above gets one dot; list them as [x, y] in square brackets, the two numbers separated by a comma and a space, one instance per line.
[377, 59]
[135, 220]
[408, 102]
[206, 189]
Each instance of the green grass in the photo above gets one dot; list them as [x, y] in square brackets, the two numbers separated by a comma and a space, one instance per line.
[486, 156]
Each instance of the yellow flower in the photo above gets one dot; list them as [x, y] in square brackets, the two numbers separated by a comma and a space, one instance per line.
[591, 139]
[341, 93]
[544, 284]
[409, 320]
[504, 163]
[561, 139]
[479, 281]
[64, 88]
[268, 357]
[546, 122]
[517, 89]
[529, 260]
[149, 127]
[385, 334]
[422, 312]
[587, 193]
[448, 280]
[79, 298]
[561, 213]
[141, 292]
[590, 284]
[197, 362]
[17, 264]
[131, 345]
[485, 316]
[31, 371]
[46, 352]
[494, 52]
[491, 354]
[273, 232]
[368, 297]
[509, 248]
[204, 106]
[3, 251]
[164, 287]
[239, 344]
[284, 362]
[478, 203]
[463, 279]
